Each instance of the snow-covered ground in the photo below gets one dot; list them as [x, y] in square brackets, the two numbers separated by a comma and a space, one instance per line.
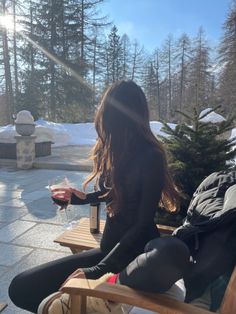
[64, 134]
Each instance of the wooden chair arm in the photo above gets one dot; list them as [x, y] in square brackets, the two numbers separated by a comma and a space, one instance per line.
[229, 301]
[2, 306]
[80, 288]
[166, 229]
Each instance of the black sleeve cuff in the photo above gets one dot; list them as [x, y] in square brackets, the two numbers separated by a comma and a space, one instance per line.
[94, 272]
[94, 197]
[99, 270]
[75, 200]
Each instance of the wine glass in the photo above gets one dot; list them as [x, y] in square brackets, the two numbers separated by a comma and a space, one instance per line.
[64, 207]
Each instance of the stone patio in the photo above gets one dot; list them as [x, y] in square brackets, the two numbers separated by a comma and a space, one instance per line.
[29, 221]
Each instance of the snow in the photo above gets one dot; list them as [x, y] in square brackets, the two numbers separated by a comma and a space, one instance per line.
[211, 117]
[24, 117]
[64, 134]
[233, 134]
[156, 127]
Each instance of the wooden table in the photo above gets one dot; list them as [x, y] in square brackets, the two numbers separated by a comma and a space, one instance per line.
[2, 306]
[80, 238]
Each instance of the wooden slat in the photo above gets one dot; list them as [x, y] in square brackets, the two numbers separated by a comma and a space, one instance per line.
[2, 306]
[78, 305]
[80, 237]
[122, 294]
[165, 229]
[228, 305]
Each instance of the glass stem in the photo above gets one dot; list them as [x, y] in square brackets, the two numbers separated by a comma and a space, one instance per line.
[67, 217]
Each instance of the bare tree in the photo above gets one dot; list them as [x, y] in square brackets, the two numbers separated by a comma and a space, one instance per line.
[182, 57]
[199, 74]
[167, 61]
[137, 61]
[227, 64]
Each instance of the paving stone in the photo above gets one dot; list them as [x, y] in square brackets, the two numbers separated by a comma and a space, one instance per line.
[42, 236]
[16, 202]
[15, 229]
[2, 225]
[14, 310]
[42, 203]
[3, 270]
[12, 254]
[52, 215]
[8, 214]
[10, 186]
[36, 182]
[29, 239]
[5, 198]
[34, 186]
[37, 257]
[34, 195]
[10, 193]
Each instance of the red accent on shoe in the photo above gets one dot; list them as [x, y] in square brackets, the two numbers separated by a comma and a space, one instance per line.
[113, 278]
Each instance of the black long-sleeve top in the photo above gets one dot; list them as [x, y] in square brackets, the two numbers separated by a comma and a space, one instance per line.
[126, 233]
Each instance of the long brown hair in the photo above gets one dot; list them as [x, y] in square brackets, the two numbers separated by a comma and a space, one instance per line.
[122, 123]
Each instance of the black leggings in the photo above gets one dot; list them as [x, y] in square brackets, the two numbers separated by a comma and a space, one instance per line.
[163, 262]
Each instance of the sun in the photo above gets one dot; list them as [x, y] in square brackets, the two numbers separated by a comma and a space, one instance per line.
[7, 22]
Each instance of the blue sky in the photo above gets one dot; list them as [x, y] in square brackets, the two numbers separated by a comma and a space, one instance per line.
[151, 21]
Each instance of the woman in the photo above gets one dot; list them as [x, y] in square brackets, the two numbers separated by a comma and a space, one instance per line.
[133, 179]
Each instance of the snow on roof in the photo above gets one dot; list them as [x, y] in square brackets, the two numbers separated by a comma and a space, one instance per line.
[211, 117]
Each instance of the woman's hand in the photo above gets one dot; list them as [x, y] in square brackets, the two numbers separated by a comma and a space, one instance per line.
[65, 194]
[76, 274]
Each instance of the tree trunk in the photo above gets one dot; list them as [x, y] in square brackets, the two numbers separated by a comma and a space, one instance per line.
[94, 67]
[158, 88]
[169, 111]
[15, 54]
[7, 71]
[52, 66]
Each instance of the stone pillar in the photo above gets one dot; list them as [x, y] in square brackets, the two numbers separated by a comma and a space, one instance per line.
[25, 151]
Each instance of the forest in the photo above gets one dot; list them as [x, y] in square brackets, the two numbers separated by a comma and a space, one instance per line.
[58, 56]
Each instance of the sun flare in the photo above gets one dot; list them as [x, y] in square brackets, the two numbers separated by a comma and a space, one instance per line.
[7, 22]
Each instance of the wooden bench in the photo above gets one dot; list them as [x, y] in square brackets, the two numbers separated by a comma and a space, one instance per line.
[2, 306]
[80, 238]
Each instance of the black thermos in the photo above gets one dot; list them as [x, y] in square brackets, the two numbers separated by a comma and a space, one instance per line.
[94, 217]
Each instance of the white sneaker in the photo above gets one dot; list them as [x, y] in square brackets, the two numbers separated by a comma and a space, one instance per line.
[55, 303]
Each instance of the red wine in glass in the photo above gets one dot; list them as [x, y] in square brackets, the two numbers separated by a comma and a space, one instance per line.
[62, 203]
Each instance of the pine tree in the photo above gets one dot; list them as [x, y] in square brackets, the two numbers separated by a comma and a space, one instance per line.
[114, 56]
[227, 57]
[125, 42]
[57, 53]
[30, 97]
[197, 150]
